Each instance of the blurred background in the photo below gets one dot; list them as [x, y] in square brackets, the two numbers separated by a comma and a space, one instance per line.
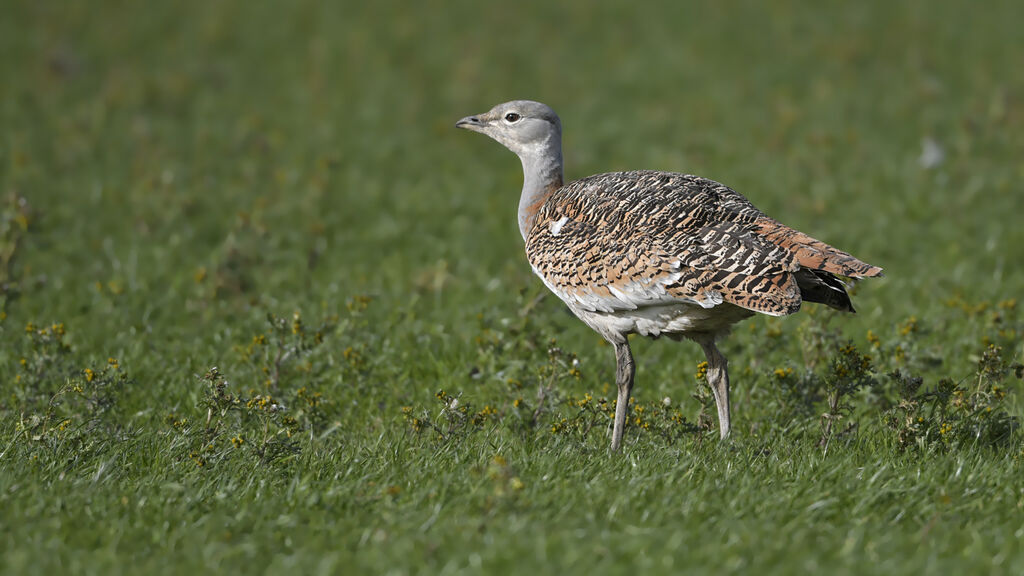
[172, 172]
[186, 163]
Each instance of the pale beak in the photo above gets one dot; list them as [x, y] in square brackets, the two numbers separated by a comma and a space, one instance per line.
[470, 123]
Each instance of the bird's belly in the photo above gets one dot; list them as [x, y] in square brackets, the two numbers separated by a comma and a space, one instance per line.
[681, 318]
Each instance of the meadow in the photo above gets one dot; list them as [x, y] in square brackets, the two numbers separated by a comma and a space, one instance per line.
[263, 309]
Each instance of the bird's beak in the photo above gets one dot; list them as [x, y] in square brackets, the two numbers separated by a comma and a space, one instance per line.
[471, 123]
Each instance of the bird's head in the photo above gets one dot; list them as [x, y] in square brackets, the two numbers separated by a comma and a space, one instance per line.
[525, 127]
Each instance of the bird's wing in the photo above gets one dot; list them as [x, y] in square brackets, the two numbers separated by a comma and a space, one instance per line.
[628, 240]
[811, 253]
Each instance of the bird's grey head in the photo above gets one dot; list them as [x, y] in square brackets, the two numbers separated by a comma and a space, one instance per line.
[523, 126]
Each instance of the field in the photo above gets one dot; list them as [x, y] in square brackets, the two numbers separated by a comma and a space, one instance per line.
[263, 309]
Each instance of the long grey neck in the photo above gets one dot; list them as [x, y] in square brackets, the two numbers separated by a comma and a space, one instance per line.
[542, 175]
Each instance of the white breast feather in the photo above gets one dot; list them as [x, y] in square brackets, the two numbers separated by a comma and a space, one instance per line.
[632, 296]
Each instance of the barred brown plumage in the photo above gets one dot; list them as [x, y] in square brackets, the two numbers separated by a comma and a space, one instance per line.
[657, 253]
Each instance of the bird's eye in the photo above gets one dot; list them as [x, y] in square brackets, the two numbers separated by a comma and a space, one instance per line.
[512, 117]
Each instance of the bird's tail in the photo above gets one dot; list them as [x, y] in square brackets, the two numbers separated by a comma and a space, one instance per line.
[823, 288]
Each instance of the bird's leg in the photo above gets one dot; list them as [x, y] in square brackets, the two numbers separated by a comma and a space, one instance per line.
[624, 371]
[718, 378]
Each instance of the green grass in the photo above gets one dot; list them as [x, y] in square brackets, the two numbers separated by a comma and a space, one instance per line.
[172, 173]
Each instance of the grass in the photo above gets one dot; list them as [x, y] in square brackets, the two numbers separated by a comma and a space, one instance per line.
[279, 192]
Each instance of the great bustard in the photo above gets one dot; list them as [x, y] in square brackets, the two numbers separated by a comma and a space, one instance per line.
[658, 253]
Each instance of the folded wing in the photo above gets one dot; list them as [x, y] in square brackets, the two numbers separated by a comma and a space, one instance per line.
[627, 240]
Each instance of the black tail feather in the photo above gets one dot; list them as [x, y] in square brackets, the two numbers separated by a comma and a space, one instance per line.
[824, 288]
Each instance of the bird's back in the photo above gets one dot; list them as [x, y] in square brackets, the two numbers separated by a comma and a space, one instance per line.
[628, 240]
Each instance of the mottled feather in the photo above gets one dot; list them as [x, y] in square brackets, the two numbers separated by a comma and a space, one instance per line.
[626, 240]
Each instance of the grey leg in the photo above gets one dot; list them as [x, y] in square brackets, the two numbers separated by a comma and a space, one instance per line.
[624, 371]
[718, 378]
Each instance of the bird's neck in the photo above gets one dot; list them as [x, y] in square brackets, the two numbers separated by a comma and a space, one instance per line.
[542, 175]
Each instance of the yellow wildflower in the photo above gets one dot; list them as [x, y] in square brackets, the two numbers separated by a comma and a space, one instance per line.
[909, 327]
[873, 339]
[702, 371]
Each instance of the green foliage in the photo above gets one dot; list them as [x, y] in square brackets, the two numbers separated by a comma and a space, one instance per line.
[552, 410]
[178, 180]
[953, 415]
[258, 424]
[64, 416]
[849, 372]
[14, 222]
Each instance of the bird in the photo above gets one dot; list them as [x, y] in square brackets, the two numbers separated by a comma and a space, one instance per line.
[658, 253]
